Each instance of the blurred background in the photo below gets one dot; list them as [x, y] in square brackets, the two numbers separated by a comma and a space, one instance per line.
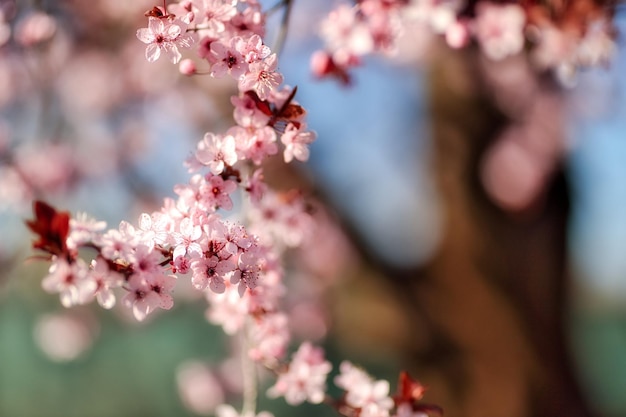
[472, 226]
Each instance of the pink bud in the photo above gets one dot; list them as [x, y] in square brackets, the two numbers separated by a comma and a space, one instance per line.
[187, 67]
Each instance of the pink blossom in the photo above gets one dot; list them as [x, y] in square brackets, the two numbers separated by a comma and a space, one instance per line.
[346, 33]
[296, 140]
[119, 243]
[269, 337]
[181, 265]
[363, 392]
[438, 15]
[165, 35]
[226, 59]
[237, 239]
[215, 192]
[84, 229]
[256, 186]
[254, 50]
[280, 221]
[351, 376]
[153, 229]
[205, 193]
[305, 380]
[247, 272]
[210, 272]
[147, 292]
[217, 152]
[267, 294]
[227, 309]
[246, 112]
[261, 77]
[69, 281]
[213, 15]
[186, 241]
[104, 281]
[251, 21]
[185, 9]
[145, 260]
[499, 29]
[255, 144]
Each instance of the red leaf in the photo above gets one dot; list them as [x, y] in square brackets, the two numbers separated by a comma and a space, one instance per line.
[409, 390]
[52, 227]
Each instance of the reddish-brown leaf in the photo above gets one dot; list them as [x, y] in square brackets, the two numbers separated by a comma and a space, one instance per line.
[51, 227]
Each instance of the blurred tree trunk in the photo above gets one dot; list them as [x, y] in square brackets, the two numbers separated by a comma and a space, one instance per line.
[495, 294]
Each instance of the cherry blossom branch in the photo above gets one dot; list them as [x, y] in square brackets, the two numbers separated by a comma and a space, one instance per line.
[238, 267]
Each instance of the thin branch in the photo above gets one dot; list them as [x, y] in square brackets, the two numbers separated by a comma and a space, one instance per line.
[248, 368]
[284, 26]
[275, 7]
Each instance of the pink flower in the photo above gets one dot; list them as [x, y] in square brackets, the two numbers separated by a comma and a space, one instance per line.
[217, 152]
[251, 21]
[246, 113]
[227, 309]
[237, 239]
[104, 281]
[305, 379]
[261, 77]
[247, 272]
[147, 292]
[210, 272]
[145, 260]
[296, 140]
[254, 50]
[118, 243]
[255, 144]
[269, 337]
[500, 29]
[216, 192]
[187, 239]
[167, 35]
[256, 186]
[84, 229]
[363, 392]
[69, 281]
[214, 14]
[153, 229]
[344, 31]
[226, 59]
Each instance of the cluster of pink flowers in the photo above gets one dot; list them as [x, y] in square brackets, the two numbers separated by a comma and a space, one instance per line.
[562, 37]
[237, 265]
[228, 37]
